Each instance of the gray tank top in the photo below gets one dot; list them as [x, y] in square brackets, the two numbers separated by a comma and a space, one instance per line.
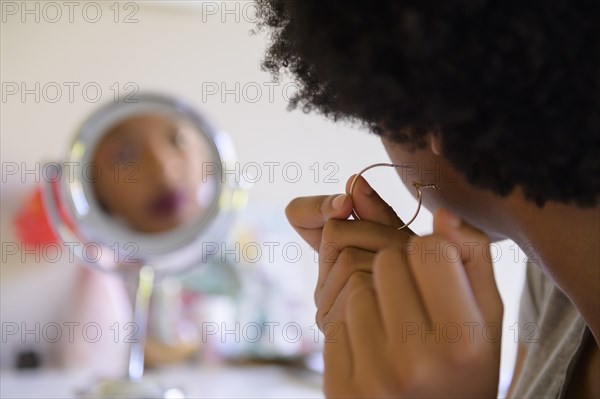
[554, 333]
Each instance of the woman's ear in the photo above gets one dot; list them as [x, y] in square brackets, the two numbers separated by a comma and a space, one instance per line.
[435, 142]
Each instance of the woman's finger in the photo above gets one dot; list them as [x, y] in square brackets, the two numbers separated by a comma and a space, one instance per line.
[370, 206]
[338, 361]
[442, 282]
[350, 260]
[365, 325]
[340, 234]
[308, 215]
[476, 258]
[403, 313]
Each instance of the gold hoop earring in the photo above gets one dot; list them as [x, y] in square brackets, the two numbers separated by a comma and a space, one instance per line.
[416, 184]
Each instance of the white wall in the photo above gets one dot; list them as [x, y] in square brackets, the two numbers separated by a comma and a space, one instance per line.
[175, 48]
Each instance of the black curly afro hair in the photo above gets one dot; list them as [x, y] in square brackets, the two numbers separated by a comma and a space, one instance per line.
[512, 88]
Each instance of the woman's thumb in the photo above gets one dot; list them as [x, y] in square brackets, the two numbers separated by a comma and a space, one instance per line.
[370, 206]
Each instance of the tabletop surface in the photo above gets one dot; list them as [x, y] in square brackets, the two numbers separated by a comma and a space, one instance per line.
[195, 380]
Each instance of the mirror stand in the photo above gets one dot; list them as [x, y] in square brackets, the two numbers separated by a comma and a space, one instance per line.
[135, 387]
[140, 320]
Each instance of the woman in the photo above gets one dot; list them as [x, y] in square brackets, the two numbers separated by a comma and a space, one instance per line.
[505, 98]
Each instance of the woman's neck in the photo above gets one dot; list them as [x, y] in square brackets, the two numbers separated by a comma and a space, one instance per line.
[566, 244]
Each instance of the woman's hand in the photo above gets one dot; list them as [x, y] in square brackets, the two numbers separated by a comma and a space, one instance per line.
[426, 323]
[403, 315]
[344, 246]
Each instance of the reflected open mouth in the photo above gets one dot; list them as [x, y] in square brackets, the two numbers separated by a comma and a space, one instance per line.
[168, 203]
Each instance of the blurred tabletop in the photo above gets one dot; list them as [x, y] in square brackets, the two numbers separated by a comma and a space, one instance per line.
[195, 380]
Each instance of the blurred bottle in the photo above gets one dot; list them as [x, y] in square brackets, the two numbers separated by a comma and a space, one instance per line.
[99, 313]
[172, 335]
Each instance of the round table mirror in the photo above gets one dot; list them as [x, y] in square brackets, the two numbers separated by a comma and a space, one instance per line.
[141, 189]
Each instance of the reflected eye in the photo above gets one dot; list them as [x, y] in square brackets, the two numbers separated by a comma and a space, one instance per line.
[177, 139]
[127, 153]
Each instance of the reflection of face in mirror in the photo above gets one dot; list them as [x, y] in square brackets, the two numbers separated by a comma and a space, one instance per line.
[151, 172]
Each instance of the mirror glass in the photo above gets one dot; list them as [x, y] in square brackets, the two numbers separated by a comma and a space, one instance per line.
[150, 173]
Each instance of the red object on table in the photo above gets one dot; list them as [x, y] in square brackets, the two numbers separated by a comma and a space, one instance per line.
[31, 222]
